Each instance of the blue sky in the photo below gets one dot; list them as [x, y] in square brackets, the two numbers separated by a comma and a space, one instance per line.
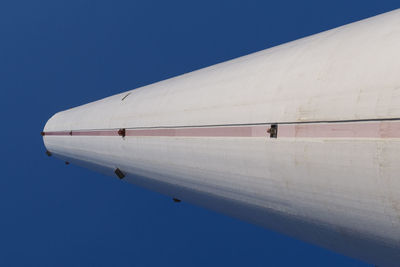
[59, 54]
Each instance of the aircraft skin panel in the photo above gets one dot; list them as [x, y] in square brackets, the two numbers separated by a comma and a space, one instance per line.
[352, 190]
[303, 138]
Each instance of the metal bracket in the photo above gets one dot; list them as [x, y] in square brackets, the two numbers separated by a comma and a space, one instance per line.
[273, 131]
[122, 132]
[119, 173]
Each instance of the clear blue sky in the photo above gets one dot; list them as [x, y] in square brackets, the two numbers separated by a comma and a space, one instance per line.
[58, 54]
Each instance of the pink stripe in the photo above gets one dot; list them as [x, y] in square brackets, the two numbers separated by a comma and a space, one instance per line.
[234, 131]
[95, 133]
[57, 133]
[84, 133]
[384, 129]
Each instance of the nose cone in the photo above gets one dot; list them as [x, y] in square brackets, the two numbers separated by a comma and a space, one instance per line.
[82, 148]
[46, 132]
[52, 127]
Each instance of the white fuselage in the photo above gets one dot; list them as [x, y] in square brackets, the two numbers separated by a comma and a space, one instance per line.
[332, 175]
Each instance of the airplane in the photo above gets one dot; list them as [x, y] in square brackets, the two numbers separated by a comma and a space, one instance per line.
[302, 138]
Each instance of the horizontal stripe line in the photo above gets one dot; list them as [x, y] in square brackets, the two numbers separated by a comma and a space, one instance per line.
[240, 124]
[359, 129]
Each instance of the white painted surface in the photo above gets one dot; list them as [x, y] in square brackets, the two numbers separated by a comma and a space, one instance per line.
[342, 194]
